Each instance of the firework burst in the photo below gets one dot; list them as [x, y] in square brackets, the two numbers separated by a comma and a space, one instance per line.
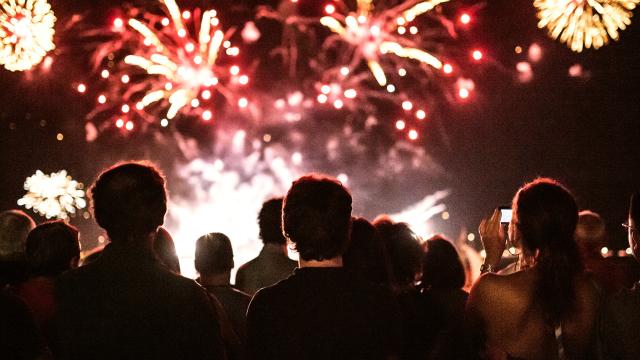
[585, 23]
[26, 33]
[175, 64]
[55, 195]
[373, 35]
[380, 60]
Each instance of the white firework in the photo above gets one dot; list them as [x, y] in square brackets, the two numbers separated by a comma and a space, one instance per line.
[417, 215]
[53, 196]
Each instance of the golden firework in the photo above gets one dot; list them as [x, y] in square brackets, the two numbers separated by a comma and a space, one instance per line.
[26, 33]
[585, 23]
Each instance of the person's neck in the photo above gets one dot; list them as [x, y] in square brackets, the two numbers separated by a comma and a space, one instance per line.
[221, 279]
[282, 248]
[333, 262]
[142, 243]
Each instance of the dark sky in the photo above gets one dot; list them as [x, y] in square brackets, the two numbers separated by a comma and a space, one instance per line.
[582, 131]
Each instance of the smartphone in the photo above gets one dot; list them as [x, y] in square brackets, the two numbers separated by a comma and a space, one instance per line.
[505, 214]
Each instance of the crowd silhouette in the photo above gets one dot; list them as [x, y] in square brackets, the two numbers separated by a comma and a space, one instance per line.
[360, 289]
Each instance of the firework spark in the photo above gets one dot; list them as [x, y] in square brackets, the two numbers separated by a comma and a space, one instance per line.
[55, 195]
[26, 33]
[585, 23]
[373, 35]
[174, 66]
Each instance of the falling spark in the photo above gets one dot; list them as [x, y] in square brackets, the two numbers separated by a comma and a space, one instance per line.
[585, 23]
[55, 195]
[26, 33]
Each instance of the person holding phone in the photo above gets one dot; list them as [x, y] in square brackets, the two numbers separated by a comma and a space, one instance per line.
[548, 310]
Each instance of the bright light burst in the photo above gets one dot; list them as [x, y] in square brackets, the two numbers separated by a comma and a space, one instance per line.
[585, 23]
[180, 56]
[55, 195]
[226, 189]
[26, 33]
[375, 34]
[226, 193]
[417, 215]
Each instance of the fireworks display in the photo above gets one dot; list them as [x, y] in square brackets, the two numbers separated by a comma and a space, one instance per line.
[174, 66]
[26, 33]
[380, 58]
[585, 23]
[373, 35]
[53, 196]
[236, 102]
[333, 118]
[159, 66]
[226, 191]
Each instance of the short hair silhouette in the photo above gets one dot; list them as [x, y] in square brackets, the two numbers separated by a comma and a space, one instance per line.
[366, 254]
[214, 254]
[51, 248]
[403, 249]
[129, 199]
[357, 256]
[316, 217]
[165, 250]
[14, 228]
[441, 265]
[270, 222]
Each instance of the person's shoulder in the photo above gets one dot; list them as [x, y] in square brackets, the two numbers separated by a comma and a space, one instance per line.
[240, 293]
[515, 281]
[281, 289]
[181, 283]
[78, 275]
[265, 300]
[292, 263]
[249, 265]
[487, 282]
[619, 317]
[490, 289]
[623, 301]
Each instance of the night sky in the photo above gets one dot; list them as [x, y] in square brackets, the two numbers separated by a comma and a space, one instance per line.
[583, 131]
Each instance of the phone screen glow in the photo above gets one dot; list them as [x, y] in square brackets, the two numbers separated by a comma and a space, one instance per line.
[505, 215]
